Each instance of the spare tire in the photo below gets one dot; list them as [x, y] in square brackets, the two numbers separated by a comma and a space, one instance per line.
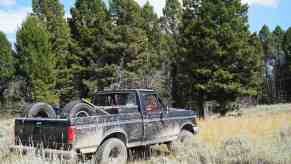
[40, 109]
[77, 109]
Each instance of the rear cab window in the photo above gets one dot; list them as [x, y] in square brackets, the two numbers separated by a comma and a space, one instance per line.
[125, 102]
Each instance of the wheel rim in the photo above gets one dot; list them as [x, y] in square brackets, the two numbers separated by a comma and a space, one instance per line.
[115, 155]
[82, 114]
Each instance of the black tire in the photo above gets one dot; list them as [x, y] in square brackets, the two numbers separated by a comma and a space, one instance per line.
[40, 110]
[112, 151]
[140, 153]
[184, 137]
[77, 109]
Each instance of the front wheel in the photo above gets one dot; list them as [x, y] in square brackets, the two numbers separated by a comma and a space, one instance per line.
[112, 151]
[184, 137]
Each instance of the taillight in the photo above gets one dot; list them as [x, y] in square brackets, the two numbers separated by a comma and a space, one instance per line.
[70, 134]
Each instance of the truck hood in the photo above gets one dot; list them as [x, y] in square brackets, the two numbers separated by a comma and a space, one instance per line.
[190, 112]
[177, 109]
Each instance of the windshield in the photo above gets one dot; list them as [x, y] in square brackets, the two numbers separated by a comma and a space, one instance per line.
[115, 99]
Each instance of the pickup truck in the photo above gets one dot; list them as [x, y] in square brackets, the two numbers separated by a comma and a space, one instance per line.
[129, 118]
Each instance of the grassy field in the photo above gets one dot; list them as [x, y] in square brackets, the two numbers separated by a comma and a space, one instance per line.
[261, 135]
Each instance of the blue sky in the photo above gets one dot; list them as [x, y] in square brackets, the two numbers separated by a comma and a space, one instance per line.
[270, 12]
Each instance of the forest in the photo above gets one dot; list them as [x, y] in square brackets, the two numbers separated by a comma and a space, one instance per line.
[197, 51]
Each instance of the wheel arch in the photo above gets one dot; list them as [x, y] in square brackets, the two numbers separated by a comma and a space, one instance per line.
[188, 126]
[116, 133]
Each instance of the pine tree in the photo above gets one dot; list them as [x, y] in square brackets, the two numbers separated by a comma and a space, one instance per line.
[267, 41]
[287, 46]
[91, 28]
[51, 12]
[6, 64]
[287, 50]
[170, 23]
[131, 43]
[172, 16]
[36, 60]
[126, 12]
[279, 69]
[152, 59]
[287, 43]
[218, 61]
[278, 37]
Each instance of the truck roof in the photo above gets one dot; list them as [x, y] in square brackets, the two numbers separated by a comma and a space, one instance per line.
[125, 90]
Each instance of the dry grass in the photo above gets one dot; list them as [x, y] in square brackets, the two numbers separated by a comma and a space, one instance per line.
[262, 135]
[255, 123]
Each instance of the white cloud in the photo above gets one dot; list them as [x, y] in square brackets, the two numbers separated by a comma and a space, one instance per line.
[160, 4]
[157, 4]
[7, 2]
[68, 15]
[10, 20]
[270, 3]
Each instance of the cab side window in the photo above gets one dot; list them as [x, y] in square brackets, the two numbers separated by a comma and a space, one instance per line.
[151, 103]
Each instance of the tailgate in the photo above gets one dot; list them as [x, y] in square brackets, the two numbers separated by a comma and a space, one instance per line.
[44, 133]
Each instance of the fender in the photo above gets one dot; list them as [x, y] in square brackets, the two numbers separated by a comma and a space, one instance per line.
[112, 132]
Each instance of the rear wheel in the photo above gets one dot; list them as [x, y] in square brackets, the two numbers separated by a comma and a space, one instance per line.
[112, 151]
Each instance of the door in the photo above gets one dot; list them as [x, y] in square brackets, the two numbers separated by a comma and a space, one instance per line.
[153, 118]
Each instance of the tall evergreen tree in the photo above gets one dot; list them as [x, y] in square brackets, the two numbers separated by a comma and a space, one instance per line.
[218, 61]
[91, 28]
[6, 64]
[278, 38]
[269, 87]
[287, 45]
[36, 60]
[170, 23]
[51, 12]
[131, 42]
[126, 12]
[265, 36]
[172, 16]
[152, 59]
[279, 66]
[287, 50]
[151, 24]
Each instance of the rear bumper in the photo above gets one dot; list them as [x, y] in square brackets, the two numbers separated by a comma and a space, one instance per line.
[48, 153]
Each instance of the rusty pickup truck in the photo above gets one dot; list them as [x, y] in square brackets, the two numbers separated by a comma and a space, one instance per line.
[114, 122]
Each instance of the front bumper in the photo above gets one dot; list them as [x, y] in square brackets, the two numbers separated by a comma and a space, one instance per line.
[48, 153]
